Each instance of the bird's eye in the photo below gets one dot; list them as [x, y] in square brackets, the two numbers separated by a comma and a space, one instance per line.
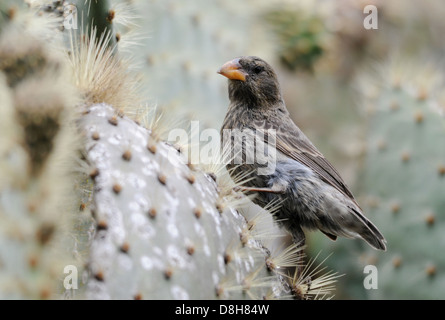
[258, 69]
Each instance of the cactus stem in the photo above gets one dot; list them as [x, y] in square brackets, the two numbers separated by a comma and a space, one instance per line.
[126, 155]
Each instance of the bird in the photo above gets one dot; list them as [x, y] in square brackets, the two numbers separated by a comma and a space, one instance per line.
[311, 193]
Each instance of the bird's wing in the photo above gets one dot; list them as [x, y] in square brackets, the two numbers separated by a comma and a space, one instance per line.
[293, 143]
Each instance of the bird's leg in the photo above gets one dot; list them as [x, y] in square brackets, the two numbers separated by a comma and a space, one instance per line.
[277, 190]
[299, 240]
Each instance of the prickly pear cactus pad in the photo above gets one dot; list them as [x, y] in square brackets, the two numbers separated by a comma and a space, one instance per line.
[36, 157]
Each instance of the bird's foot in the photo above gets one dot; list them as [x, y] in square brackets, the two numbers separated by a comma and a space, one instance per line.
[253, 189]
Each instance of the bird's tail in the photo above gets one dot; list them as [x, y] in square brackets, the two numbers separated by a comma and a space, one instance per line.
[369, 232]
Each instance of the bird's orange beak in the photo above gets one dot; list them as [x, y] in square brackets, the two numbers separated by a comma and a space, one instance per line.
[233, 70]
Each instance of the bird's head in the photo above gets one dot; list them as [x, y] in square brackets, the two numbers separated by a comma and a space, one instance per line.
[252, 82]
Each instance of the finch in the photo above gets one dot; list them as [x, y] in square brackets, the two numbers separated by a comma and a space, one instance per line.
[311, 192]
